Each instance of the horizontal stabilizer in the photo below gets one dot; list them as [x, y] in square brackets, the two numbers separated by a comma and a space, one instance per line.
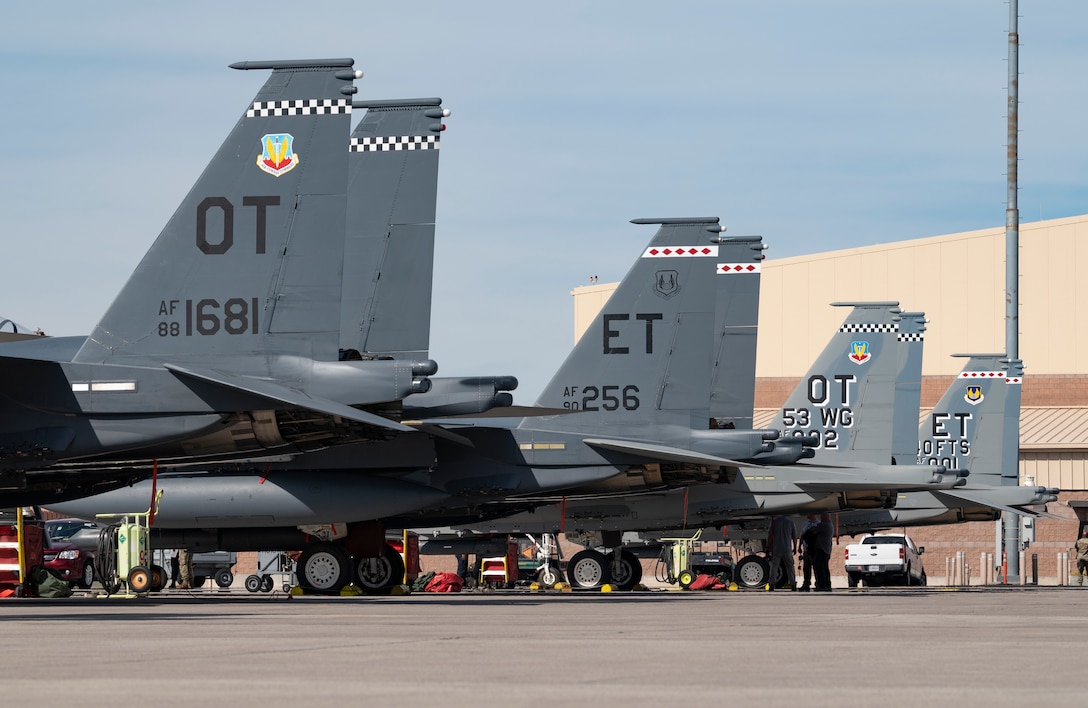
[980, 497]
[662, 453]
[280, 394]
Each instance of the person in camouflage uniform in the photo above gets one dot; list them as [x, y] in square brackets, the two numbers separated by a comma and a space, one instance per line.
[1082, 555]
[185, 566]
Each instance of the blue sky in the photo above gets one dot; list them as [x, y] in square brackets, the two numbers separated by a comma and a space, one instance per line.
[817, 125]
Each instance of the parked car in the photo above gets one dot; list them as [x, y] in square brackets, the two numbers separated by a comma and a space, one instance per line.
[885, 558]
[73, 562]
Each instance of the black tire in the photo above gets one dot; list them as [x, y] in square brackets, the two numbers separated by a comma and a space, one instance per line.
[224, 578]
[324, 568]
[139, 580]
[377, 576]
[628, 572]
[549, 577]
[685, 578]
[752, 572]
[199, 580]
[588, 569]
[267, 583]
[907, 580]
[86, 576]
[923, 581]
[158, 578]
[253, 583]
[852, 580]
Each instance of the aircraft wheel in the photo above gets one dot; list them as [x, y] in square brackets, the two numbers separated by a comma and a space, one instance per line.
[588, 569]
[267, 583]
[378, 575]
[253, 583]
[224, 578]
[139, 579]
[685, 578]
[627, 573]
[324, 568]
[158, 578]
[548, 577]
[752, 572]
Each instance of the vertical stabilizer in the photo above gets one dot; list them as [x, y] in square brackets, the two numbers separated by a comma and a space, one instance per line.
[648, 355]
[250, 261]
[389, 252]
[974, 425]
[847, 397]
[908, 388]
[736, 320]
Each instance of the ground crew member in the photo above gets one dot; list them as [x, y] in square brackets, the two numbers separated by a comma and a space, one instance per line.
[185, 566]
[808, 547]
[821, 561]
[781, 545]
[1082, 555]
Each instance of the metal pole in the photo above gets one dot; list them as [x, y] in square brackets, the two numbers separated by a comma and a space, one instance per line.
[1012, 273]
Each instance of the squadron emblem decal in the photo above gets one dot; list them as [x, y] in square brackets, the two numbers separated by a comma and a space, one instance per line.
[973, 394]
[859, 352]
[666, 283]
[278, 156]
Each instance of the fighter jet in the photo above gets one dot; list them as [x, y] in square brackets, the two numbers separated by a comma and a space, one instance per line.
[973, 427]
[226, 339]
[852, 406]
[637, 418]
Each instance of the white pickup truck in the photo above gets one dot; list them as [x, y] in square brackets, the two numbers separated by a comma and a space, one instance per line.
[885, 559]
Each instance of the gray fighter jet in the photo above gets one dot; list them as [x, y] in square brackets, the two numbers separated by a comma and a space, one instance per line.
[972, 427]
[852, 405]
[226, 340]
[637, 417]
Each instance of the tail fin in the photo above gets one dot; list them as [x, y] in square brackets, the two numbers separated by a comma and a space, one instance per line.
[853, 380]
[647, 357]
[392, 191]
[976, 423]
[250, 261]
[908, 388]
[736, 325]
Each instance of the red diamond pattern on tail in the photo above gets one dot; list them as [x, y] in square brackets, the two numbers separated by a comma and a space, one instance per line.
[680, 251]
[728, 268]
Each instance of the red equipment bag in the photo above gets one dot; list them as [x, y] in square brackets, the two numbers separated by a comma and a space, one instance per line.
[444, 582]
[706, 582]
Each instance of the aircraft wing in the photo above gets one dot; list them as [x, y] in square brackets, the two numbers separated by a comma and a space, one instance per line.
[272, 391]
[662, 452]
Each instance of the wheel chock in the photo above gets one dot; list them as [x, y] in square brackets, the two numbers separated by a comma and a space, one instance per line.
[732, 587]
[400, 590]
[295, 590]
[534, 587]
[562, 587]
[768, 587]
[350, 591]
[607, 587]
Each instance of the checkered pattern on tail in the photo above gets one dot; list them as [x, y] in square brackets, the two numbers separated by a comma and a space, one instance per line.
[879, 327]
[300, 107]
[394, 142]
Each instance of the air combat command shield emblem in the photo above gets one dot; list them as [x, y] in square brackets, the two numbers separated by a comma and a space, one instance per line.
[859, 352]
[973, 395]
[278, 156]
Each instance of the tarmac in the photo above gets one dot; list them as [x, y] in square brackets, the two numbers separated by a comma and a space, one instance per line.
[898, 647]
